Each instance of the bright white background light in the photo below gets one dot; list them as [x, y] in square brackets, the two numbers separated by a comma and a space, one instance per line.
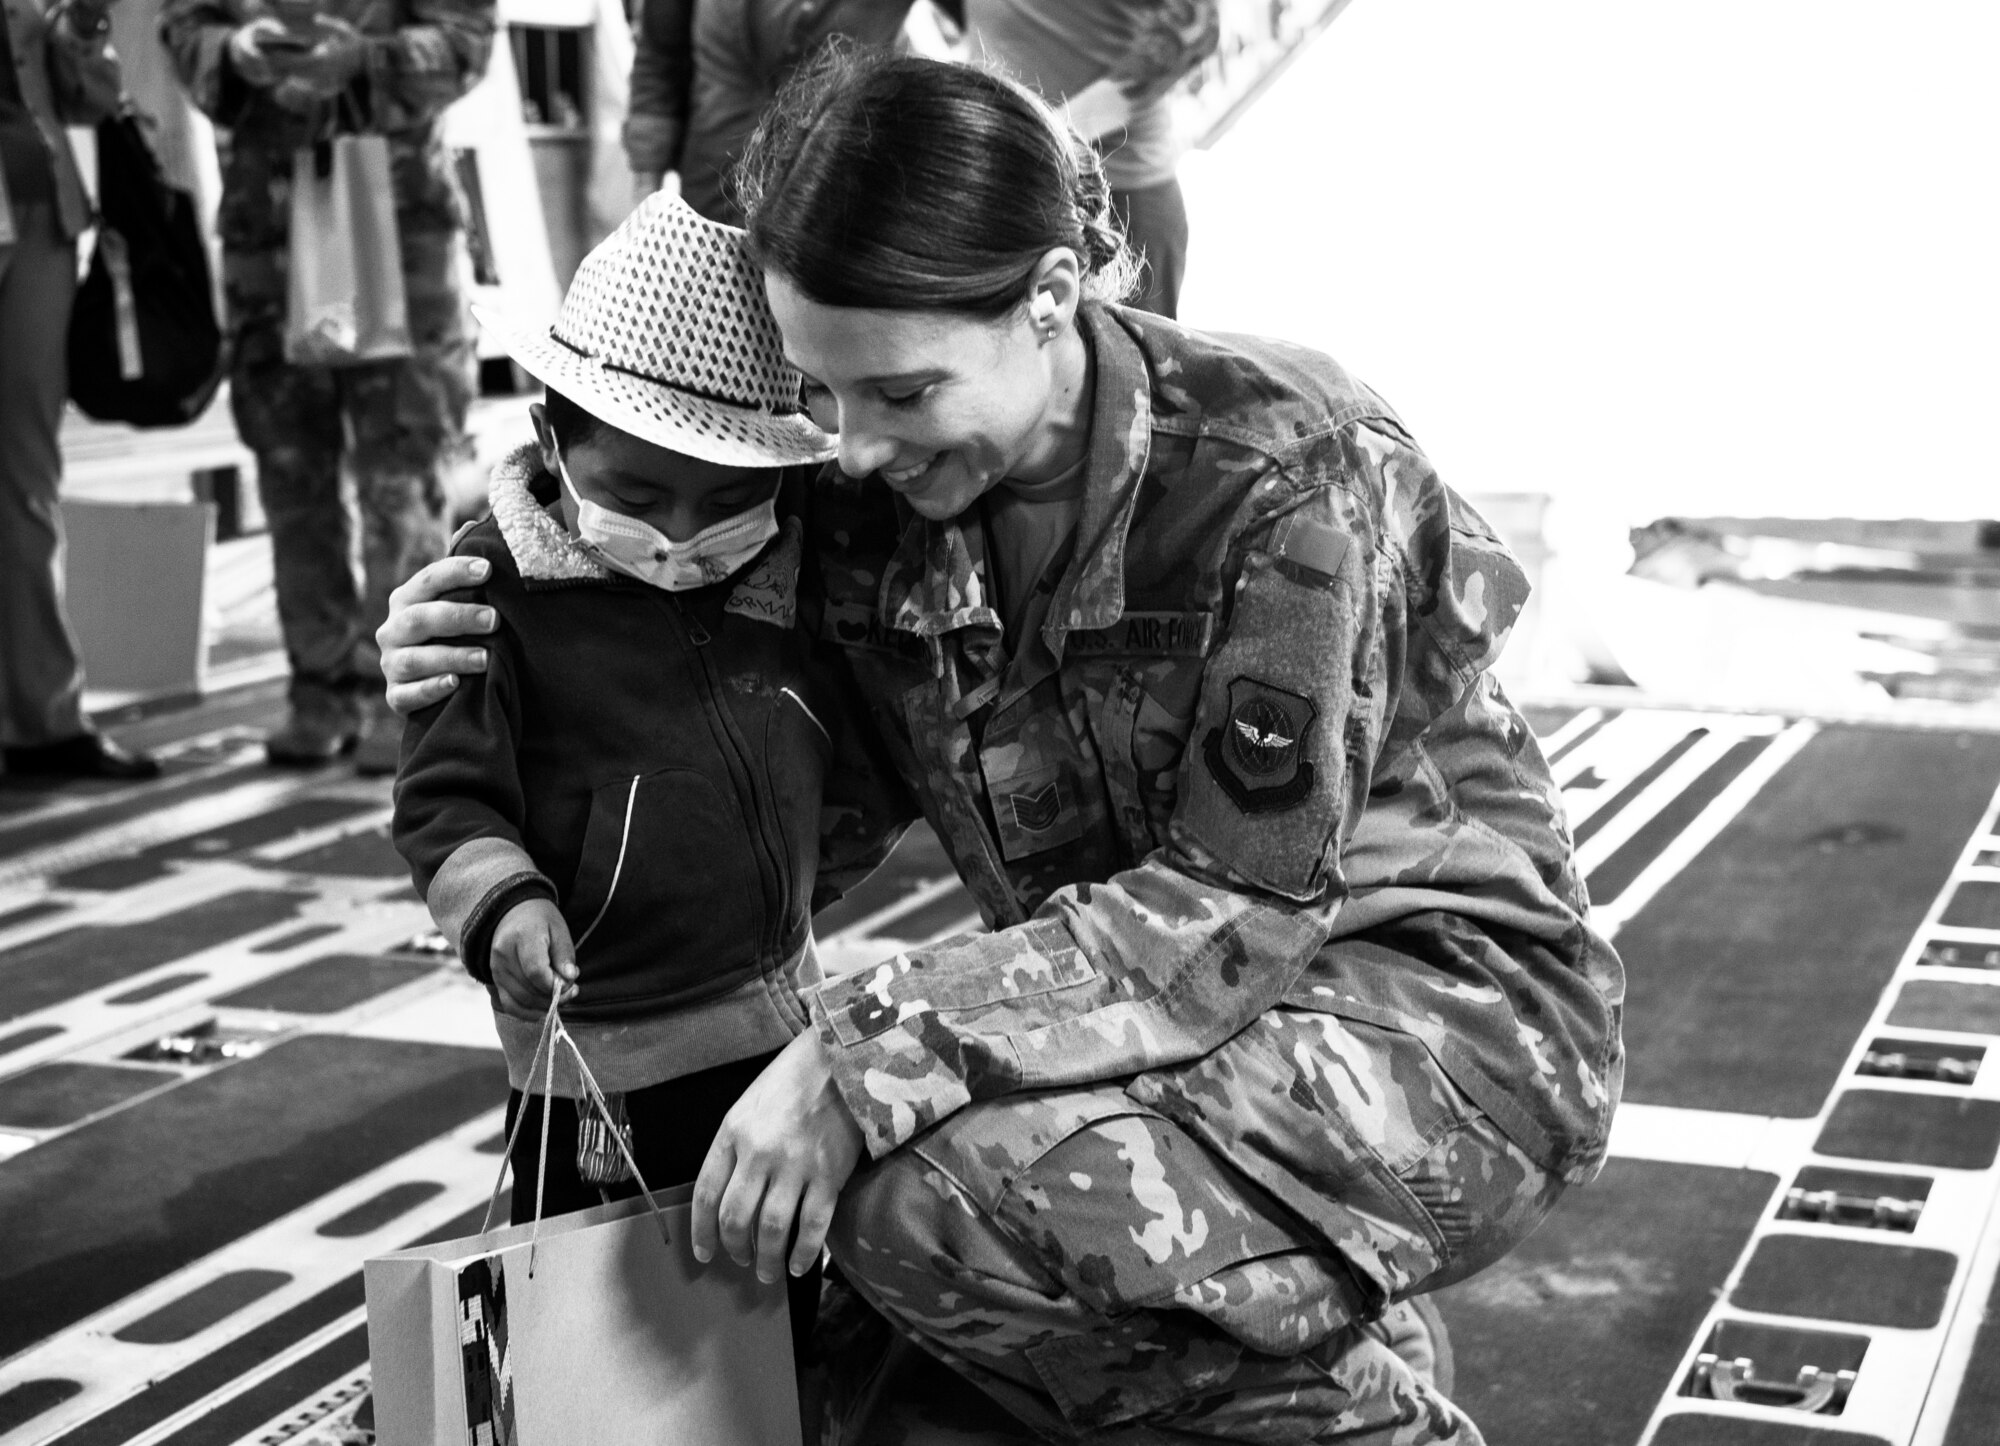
[1727, 257]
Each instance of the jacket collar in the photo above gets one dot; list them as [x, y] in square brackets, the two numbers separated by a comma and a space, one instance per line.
[544, 551]
[932, 586]
[541, 546]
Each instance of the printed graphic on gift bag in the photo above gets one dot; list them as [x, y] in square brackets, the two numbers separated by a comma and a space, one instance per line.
[482, 1345]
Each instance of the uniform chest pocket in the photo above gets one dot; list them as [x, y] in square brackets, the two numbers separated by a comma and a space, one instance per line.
[670, 895]
[1143, 727]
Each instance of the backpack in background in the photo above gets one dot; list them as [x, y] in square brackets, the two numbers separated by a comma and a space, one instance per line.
[144, 345]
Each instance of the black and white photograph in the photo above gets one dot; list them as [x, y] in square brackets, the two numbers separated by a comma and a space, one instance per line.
[999, 723]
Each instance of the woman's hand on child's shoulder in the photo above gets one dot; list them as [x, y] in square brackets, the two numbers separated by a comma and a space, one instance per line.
[418, 670]
[532, 953]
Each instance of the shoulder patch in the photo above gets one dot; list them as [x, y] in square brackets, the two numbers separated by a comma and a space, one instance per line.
[768, 592]
[1258, 754]
[1310, 550]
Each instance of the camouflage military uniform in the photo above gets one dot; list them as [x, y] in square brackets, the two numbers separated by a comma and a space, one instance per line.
[1292, 1008]
[398, 423]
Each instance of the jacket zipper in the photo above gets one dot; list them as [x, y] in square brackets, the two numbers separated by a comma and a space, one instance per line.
[750, 799]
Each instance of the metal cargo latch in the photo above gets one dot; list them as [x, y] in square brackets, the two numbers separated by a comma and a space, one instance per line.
[430, 944]
[210, 1042]
[1957, 954]
[1895, 1064]
[1835, 1207]
[1816, 1391]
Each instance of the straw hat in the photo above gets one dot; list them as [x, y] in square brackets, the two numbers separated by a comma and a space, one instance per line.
[665, 334]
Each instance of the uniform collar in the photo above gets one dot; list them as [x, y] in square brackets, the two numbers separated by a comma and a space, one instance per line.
[931, 585]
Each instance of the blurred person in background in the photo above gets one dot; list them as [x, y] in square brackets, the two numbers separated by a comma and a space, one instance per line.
[1113, 63]
[59, 71]
[705, 71]
[397, 425]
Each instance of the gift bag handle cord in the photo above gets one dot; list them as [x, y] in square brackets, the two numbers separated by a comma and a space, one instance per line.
[553, 1033]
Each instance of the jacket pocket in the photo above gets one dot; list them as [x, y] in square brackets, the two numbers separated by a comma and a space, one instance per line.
[669, 898]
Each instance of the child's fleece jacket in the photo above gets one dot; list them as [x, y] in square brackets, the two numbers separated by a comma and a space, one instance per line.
[651, 761]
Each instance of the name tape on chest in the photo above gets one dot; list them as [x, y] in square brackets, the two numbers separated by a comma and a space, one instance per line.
[1146, 635]
[858, 625]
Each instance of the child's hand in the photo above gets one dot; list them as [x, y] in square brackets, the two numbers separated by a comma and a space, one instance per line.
[532, 954]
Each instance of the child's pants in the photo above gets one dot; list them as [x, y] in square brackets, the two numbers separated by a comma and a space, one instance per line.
[672, 1125]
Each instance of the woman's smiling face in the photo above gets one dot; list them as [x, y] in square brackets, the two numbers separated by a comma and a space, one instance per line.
[941, 404]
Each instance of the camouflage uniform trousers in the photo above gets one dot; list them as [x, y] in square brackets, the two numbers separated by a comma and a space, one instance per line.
[1095, 1268]
[399, 425]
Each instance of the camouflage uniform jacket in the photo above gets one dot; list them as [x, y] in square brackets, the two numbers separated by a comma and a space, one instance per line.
[1251, 724]
[64, 77]
[422, 56]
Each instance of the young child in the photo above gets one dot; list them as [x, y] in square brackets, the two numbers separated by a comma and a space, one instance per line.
[626, 805]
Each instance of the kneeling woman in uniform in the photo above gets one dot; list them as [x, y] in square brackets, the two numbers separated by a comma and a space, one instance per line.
[1288, 1011]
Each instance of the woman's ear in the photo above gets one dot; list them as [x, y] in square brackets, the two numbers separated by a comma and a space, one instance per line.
[545, 436]
[1055, 290]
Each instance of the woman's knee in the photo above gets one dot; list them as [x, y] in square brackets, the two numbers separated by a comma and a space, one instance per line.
[922, 1252]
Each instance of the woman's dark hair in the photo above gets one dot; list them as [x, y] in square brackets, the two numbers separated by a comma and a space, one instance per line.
[902, 183]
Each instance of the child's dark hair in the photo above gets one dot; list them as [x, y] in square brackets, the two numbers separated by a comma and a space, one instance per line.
[902, 183]
[572, 425]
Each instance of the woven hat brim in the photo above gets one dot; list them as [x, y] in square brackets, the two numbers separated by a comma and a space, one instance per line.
[729, 436]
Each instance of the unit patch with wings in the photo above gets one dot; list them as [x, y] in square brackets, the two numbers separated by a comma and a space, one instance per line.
[1257, 755]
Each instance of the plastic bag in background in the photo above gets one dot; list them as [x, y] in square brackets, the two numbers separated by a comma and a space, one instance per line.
[345, 302]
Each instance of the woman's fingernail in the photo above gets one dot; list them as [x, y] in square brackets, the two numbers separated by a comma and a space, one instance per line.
[486, 617]
[480, 567]
[448, 681]
[701, 1254]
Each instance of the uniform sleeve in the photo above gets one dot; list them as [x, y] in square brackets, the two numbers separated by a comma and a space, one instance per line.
[865, 807]
[662, 72]
[84, 77]
[1336, 621]
[1169, 39]
[196, 35]
[428, 62]
[460, 806]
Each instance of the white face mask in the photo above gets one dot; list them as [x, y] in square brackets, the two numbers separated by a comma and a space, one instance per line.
[637, 550]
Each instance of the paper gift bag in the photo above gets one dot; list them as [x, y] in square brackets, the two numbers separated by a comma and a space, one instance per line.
[345, 301]
[611, 1336]
[588, 1329]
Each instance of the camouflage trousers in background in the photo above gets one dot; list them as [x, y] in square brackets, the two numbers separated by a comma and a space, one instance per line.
[1099, 1269]
[397, 425]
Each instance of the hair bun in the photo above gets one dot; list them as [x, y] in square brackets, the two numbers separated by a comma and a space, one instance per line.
[1111, 270]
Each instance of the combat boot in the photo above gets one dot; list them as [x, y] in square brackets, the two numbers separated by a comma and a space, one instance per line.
[324, 723]
[380, 750]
